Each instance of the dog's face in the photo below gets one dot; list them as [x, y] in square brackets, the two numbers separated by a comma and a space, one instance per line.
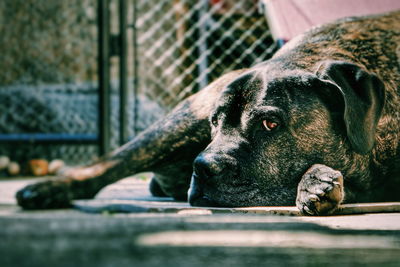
[268, 128]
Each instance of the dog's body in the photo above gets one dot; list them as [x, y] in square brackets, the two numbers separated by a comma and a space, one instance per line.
[322, 115]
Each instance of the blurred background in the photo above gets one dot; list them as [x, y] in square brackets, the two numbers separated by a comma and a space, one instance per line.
[80, 77]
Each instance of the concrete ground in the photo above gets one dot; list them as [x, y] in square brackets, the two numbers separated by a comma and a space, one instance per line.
[124, 226]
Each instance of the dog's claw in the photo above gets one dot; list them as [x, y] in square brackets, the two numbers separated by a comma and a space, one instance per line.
[313, 198]
[319, 192]
[307, 210]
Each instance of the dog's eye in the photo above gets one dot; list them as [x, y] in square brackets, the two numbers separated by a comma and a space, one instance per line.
[270, 125]
[214, 121]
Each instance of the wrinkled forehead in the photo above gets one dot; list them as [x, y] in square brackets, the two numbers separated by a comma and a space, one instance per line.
[263, 87]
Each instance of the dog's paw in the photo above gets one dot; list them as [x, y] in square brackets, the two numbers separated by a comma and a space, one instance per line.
[45, 195]
[320, 190]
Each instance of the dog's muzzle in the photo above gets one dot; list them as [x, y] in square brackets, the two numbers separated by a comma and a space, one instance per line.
[209, 170]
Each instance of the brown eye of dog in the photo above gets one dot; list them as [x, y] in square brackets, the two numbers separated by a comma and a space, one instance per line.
[270, 125]
[214, 121]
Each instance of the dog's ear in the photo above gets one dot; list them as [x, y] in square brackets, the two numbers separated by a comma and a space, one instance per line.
[363, 96]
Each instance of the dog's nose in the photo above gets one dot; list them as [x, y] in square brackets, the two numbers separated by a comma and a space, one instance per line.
[206, 166]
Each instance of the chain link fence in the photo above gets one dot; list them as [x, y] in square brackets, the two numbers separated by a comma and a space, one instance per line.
[48, 82]
[185, 44]
[48, 65]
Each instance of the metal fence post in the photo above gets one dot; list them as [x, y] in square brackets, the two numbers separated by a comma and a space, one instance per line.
[135, 68]
[104, 76]
[123, 89]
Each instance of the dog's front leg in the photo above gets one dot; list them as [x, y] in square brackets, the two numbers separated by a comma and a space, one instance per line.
[320, 191]
[75, 183]
[179, 134]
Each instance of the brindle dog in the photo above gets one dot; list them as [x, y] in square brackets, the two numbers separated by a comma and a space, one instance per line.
[324, 112]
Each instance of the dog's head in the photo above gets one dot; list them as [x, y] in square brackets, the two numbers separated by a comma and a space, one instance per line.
[271, 124]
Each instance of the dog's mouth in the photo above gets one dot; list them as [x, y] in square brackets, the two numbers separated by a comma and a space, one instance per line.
[238, 195]
[203, 201]
[222, 195]
[197, 197]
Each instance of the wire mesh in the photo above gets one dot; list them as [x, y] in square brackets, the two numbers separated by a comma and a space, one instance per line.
[185, 44]
[48, 64]
[48, 82]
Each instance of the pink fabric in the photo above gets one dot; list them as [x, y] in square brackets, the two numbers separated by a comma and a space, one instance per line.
[288, 18]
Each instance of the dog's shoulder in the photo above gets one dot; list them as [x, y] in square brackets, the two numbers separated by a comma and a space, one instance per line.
[355, 39]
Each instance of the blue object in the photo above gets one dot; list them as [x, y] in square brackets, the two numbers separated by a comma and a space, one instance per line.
[49, 138]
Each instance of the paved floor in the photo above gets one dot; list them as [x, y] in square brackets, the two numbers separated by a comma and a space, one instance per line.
[173, 234]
